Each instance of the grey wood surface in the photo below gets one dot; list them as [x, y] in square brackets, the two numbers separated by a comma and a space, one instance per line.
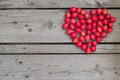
[60, 67]
[31, 26]
[61, 48]
[58, 3]
[24, 21]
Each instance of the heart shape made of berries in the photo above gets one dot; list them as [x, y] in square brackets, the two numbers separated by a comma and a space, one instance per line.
[88, 29]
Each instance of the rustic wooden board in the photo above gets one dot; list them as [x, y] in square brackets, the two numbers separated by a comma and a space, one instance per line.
[60, 67]
[61, 48]
[19, 26]
[58, 3]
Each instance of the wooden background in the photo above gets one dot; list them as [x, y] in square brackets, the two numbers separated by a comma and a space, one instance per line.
[33, 45]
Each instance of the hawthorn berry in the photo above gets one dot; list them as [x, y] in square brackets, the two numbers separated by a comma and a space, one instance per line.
[89, 21]
[77, 30]
[74, 15]
[88, 50]
[84, 46]
[81, 39]
[68, 15]
[73, 21]
[98, 39]
[78, 10]
[107, 16]
[112, 19]
[104, 34]
[74, 34]
[75, 40]
[105, 11]
[73, 9]
[99, 11]
[87, 38]
[71, 26]
[69, 31]
[92, 12]
[93, 48]
[78, 44]
[65, 25]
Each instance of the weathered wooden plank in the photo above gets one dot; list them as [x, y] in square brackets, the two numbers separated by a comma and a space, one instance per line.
[70, 48]
[41, 26]
[58, 3]
[60, 67]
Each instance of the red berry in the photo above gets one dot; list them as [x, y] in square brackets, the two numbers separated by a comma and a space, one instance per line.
[78, 44]
[78, 10]
[82, 39]
[94, 30]
[99, 29]
[89, 44]
[69, 31]
[82, 21]
[83, 12]
[94, 24]
[82, 33]
[74, 15]
[87, 38]
[67, 20]
[77, 30]
[82, 27]
[100, 17]
[89, 26]
[84, 46]
[104, 34]
[94, 18]
[100, 23]
[86, 15]
[107, 16]
[73, 21]
[94, 43]
[112, 19]
[77, 24]
[105, 11]
[99, 11]
[65, 25]
[110, 24]
[80, 16]
[71, 26]
[75, 40]
[88, 32]
[105, 21]
[74, 34]
[109, 30]
[73, 9]
[93, 48]
[98, 39]
[92, 36]
[88, 50]
[68, 15]
[105, 28]
[97, 34]
[92, 11]
[89, 21]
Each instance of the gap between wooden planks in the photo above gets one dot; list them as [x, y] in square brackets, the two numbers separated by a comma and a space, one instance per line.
[60, 67]
[58, 3]
[42, 26]
[55, 49]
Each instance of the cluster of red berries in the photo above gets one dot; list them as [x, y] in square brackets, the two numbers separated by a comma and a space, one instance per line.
[88, 29]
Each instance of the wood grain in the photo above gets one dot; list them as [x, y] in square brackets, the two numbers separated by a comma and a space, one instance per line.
[58, 49]
[58, 3]
[60, 67]
[37, 26]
